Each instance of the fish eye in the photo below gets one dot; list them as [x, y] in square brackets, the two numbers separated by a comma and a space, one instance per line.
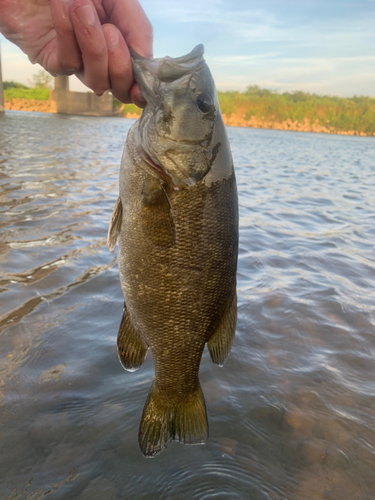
[205, 103]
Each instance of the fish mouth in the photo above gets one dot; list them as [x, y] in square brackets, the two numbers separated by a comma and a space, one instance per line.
[174, 181]
[148, 73]
[187, 142]
[198, 51]
[155, 166]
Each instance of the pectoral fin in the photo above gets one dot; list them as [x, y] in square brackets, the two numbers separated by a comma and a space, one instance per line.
[131, 348]
[115, 225]
[157, 214]
[221, 341]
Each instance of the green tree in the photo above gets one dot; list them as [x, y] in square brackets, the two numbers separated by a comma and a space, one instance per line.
[10, 84]
[41, 80]
[256, 90]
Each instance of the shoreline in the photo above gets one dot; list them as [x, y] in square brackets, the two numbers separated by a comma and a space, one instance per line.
[229, 120]
[295, 126]
[30, 105]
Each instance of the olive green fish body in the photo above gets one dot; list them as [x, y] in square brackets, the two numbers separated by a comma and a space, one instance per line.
[178, 244]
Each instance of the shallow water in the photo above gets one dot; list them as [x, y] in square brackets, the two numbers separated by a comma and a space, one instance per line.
[292, 412]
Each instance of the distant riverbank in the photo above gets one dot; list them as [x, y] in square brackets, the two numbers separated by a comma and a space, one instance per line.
[264, 108]
[256, 111]
[304, 126]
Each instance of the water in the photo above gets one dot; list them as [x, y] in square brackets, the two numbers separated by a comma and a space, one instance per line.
[292, 412]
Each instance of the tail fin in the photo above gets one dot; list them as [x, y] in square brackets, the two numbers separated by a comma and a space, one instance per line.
[163, 422]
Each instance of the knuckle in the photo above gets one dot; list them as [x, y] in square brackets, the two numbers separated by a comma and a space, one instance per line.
[64, 30]
[121, 73]
[97, 51]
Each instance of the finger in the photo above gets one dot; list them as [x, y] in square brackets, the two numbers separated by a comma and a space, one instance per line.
[67, 58]
[137, 97]
[119, 63]
[131, 20]
[91, 41]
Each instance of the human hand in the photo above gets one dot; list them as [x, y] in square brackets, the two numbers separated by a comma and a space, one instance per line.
[89, 38]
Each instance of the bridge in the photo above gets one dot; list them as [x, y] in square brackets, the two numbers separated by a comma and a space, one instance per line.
[79, 103]
[71, 103]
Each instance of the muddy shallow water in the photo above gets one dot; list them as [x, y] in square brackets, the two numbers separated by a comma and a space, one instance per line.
[292, 412]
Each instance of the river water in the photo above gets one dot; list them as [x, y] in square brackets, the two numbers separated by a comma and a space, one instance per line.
[292, 412]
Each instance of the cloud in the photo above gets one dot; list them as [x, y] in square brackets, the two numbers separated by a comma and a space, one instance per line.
[342, 76]
[15, 64]
[316, 47]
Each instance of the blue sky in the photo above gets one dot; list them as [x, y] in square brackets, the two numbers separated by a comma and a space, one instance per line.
[326, 47]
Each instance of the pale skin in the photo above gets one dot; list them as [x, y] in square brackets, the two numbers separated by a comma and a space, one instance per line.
[88, 38]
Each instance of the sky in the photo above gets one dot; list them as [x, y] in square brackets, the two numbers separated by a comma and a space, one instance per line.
[317, 46]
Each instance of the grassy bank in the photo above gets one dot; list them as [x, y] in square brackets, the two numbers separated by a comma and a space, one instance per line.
[26, 93]
[355, 113]
[125, 109]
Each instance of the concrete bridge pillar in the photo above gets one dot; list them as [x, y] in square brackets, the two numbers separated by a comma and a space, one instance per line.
[79, 103]
[62, 82]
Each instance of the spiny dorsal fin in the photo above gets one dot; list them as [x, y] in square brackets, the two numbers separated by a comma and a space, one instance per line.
[114, 225]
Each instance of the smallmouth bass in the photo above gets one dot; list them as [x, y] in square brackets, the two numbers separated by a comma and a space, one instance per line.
[176, 223]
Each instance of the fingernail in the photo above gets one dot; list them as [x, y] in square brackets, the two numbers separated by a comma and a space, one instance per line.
[86, 15]
[140, 100]
[112, 37]
[138, 94]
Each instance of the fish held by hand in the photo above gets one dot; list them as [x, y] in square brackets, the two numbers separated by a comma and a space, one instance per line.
[176, 223]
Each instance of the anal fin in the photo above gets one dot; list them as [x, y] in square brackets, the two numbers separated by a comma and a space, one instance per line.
[131, 348]
[115, 225]
[221, 341]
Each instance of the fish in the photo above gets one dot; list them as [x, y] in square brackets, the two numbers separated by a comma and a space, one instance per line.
[176, 224]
